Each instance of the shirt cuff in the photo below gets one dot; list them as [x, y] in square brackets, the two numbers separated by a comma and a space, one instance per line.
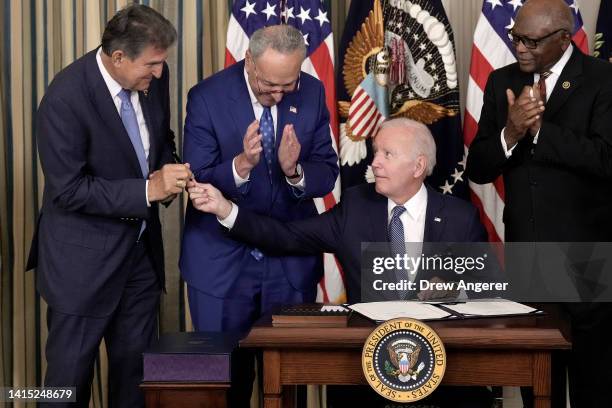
[300, 185]
[147, 193]
[239, 181]
[507, 152]
[229, 221]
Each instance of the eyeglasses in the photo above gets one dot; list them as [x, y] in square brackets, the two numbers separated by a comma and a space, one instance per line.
[531, 43]
[267, 87]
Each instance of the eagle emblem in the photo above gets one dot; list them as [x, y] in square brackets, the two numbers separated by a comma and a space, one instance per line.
[404, 355]
[401, 63]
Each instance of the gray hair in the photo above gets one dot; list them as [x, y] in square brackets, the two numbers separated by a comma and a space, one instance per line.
[424, 143]
[283, 38]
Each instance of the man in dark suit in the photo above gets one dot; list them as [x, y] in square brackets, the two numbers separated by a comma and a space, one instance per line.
[106, 149]
[404, 154]
[259, 131]
[546, 127]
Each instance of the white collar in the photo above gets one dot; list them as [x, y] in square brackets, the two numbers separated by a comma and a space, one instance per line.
[254, 100]
[112, 85]
[559, 65]
[415, 206]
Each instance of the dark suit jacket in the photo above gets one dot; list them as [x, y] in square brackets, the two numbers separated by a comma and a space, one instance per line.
[559, 189]
[94, 199]
[219, 110]
[361, 216]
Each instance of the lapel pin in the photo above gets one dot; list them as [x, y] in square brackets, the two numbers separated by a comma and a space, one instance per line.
[292, 109]
[566, 85]
[438, 219]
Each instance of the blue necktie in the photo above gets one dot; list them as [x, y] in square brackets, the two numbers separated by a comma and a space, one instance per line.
[266, 127]
[128, 117]
[398, 241]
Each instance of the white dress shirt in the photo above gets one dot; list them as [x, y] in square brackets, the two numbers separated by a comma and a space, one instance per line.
[114, 88]
[413, 220]
[258, 111]
[551, 81]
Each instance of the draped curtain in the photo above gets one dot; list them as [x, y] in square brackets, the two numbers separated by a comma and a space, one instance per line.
[40, 37]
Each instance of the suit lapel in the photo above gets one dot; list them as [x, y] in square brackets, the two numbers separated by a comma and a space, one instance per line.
[105, 106]
[153, 136]
[239, 95]
[434, 218]
[569, 80]
[520, 81]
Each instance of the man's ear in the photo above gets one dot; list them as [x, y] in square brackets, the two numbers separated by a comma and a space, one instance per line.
[567, 40]
[118, 57]
[420, 166]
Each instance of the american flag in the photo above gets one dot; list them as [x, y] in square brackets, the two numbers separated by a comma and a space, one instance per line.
[492, 49]
[311, 18]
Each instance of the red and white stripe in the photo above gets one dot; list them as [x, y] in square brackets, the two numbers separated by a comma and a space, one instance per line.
[319, 64]
[364, 116]
[490, 52]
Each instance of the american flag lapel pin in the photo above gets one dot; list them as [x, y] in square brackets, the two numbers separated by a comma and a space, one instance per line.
[292, 109]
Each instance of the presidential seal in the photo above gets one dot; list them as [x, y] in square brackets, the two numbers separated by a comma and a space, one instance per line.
[403, 360]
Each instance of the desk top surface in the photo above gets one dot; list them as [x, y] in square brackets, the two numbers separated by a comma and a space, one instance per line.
[547, 332]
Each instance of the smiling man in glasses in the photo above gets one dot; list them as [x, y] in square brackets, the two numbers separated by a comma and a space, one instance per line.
[546, 127]
[259, 131]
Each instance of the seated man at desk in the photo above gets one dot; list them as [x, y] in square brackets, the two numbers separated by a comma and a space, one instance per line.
[397, 207]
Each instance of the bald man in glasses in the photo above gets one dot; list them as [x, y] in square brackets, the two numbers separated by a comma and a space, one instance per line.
[546, 127]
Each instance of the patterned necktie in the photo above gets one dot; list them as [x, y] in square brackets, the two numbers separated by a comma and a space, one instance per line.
[398, 241]
[266, 127]
[128, 117]
[542, 84]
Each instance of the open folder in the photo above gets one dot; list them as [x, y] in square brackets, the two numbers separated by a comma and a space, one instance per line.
[383, 311]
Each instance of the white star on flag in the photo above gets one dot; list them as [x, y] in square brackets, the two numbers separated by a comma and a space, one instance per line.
[322, 17]
[248, 9]
[494, 3]
[446, 188]
[457, 175]
[509, 26]
[304, 14]
[269, 10]
[574, 6]
[306, 38]
[289, 13]
[516, 4]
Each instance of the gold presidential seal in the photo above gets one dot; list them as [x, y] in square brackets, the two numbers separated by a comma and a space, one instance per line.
[403, 360]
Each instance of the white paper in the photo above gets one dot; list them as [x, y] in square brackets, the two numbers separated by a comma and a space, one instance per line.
[382, 311]
[498, 307]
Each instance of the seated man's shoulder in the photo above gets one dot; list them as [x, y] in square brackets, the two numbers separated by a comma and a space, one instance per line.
[457, 205]
[363, 190]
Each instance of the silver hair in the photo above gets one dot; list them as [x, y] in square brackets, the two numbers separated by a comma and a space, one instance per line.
[283, 38]
[424, 143]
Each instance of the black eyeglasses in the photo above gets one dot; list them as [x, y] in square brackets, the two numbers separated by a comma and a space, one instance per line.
[269, 88]
[531, 43]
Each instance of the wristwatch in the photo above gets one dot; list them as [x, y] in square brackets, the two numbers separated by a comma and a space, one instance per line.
[298, 172]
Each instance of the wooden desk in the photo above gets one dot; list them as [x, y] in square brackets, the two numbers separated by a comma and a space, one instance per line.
[514, 351]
